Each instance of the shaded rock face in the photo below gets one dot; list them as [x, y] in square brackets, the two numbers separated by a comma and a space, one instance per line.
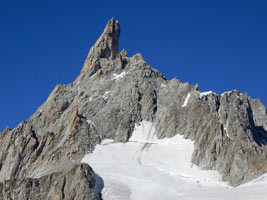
[112, 93]
[74, 183]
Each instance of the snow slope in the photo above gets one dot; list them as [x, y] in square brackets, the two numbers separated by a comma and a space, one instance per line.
[148, 168]
[186, 100]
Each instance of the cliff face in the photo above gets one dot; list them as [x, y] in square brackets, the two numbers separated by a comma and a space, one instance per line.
[111, 94]
[229, 130]
[74, 183]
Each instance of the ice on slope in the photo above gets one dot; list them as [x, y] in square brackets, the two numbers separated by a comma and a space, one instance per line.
[171, 155]
[106, 95]
[186, 99]
[229, 92]
[118, 76]
[150, 168]
[90, 122]
[205, 94]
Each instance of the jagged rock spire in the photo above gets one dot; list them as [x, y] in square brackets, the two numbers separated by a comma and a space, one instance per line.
[107, 46]
[108, 43]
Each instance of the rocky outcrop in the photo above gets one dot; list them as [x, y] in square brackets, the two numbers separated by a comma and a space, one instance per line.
[107, 46]
[223, 128]
[74, 183]
[112, 93]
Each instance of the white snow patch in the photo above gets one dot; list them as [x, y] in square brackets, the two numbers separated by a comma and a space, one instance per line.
[90, 99]
[186, 99]
[92, 76]
[138, 61]
[229, 92]
[205, 94]
[40, 172]
[118, 76]
[105, 96]
[90, 122]
[226, 129]
[172, 155]
[41, 110]
[162, 85]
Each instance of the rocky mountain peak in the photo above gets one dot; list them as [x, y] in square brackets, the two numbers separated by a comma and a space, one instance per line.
[108, 43]
[112, 96]
[107, 47]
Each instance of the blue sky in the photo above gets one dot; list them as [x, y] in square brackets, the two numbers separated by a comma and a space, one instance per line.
[221, 45]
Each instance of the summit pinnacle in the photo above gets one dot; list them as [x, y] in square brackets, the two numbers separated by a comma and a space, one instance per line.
[107, 46]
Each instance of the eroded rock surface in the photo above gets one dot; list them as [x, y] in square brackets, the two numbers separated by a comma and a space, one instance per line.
[73, 183]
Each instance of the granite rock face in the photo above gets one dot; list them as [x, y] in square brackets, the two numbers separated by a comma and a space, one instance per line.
[226, 129]
[74, 183]
[112, 93]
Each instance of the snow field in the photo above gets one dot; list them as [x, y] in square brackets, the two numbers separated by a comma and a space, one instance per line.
[150, 168]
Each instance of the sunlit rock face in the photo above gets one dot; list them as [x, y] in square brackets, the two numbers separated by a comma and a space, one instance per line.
[111, 95]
